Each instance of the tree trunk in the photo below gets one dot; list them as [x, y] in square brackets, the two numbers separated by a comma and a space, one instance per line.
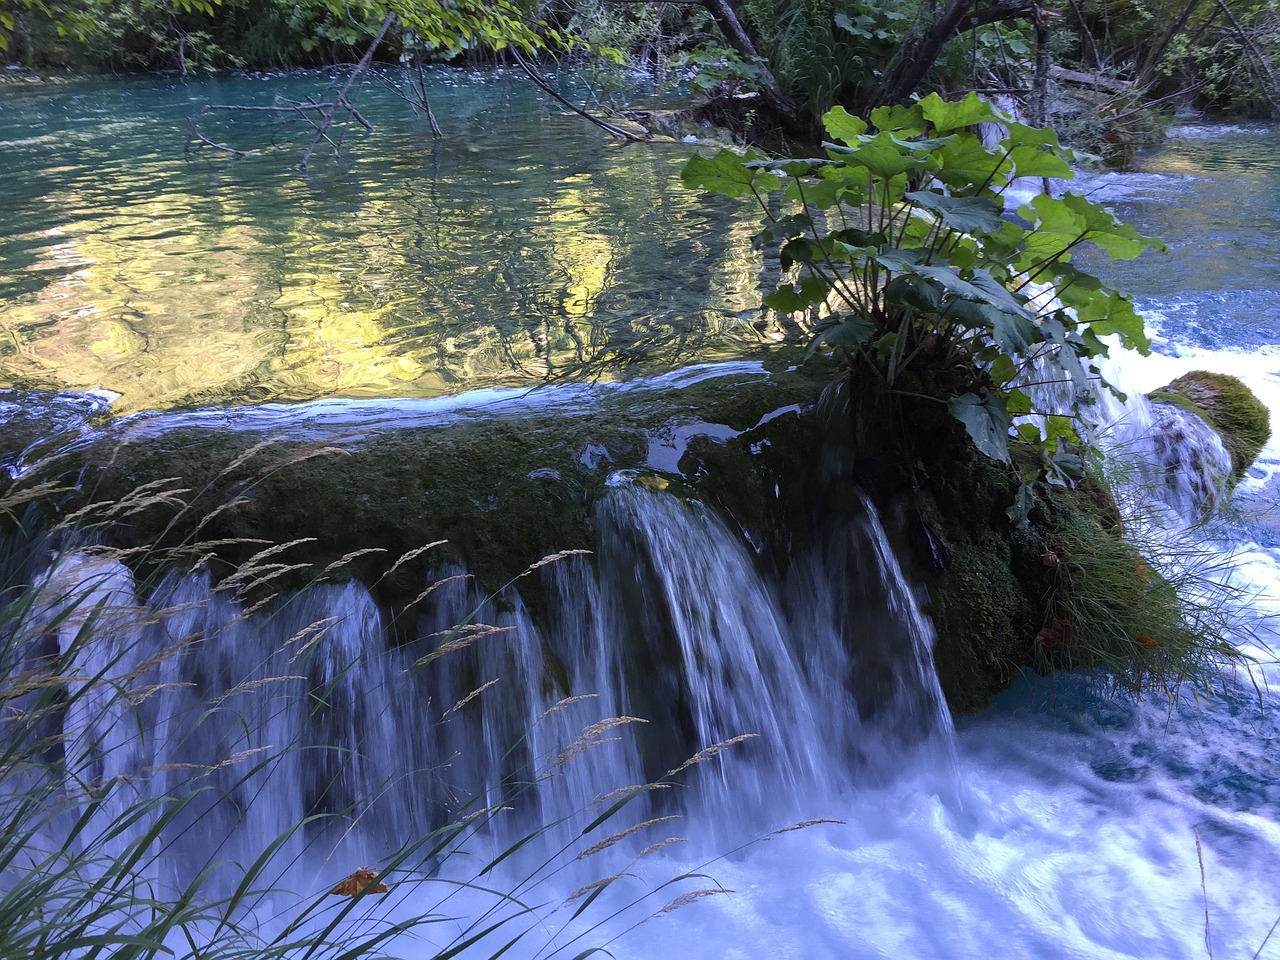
[924, 42]
[736, 34]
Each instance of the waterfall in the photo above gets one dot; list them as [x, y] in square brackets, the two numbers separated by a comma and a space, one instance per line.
[672, 644]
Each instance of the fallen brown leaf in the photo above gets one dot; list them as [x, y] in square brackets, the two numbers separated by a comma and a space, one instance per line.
[357, 882]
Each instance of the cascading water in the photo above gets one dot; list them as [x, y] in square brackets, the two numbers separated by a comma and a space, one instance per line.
[674, 647]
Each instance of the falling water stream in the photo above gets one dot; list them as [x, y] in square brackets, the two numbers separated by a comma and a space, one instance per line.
[1063, 822]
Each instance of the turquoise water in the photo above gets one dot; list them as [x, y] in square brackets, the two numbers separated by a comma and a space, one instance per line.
[526, 245]
[1213, 194]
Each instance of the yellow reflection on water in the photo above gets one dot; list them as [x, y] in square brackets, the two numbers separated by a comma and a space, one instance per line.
[227, 295]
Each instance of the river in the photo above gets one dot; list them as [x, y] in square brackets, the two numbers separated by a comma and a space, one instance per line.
[1066, 822]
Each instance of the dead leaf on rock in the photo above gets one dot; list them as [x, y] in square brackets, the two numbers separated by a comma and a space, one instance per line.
[1054, 634]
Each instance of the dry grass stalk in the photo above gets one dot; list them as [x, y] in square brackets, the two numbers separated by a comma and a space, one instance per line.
[347, 558]
[248, 454]
[805, 824]
[251, 610]
[217, 511]
[463, 637]
[661, 844]
[590, 887]
[248, 685]
[268, 573]
[308, 452]
[552, 558]
[562, 704]
[432, 589]
[1208, 946]
[474, 815]
[693, 896]
[254, 566]
[471, 696]
[590, 737]
[621, 792]
[16, 498]
[706, 754]
[415, 552]
[311, 634]
[609, 841]
[203, 770]
[149, 494]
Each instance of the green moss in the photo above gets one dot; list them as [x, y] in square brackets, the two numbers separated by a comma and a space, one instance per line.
[503, 491]
[982, 618]
[1227, 405]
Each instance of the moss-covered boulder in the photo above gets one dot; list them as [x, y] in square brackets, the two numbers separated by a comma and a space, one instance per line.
[502, 484]
[1227, 405]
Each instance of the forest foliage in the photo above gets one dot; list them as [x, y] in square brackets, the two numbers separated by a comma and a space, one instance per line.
[801, 56]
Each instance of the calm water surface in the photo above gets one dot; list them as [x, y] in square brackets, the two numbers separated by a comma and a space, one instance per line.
[526, 245]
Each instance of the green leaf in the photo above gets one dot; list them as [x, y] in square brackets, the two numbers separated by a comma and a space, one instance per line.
[986, 421]
[1028, 433]
[918, 293]
[1066, 353]
[855, 237]
[1013, 333]
[1003, 371]
[1108, 312]
[795, 167]
[884, 158]
[799, 250]
[902, 259]
[952, 114]
[789, 298]
[1120, 241]
[963, 214]
[964, 165]
[849, 332]
[990, 292]
[1024, 502]
[841, 20]
[727, 173]
[792, 225]
[841, 125]
[1031, 161]
[1018, 404]
[997, 294]
[904, 120]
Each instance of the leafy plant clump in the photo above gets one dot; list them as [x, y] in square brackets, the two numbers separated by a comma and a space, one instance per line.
[896, 247]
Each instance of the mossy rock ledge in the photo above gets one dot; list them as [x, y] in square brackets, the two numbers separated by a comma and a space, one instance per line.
[1227, 405]
[503, 489]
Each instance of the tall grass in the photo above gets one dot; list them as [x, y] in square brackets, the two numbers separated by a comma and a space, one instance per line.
[142, 810]
[1148, 600]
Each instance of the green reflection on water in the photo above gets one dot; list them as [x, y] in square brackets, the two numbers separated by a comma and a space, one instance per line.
[526, 246]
